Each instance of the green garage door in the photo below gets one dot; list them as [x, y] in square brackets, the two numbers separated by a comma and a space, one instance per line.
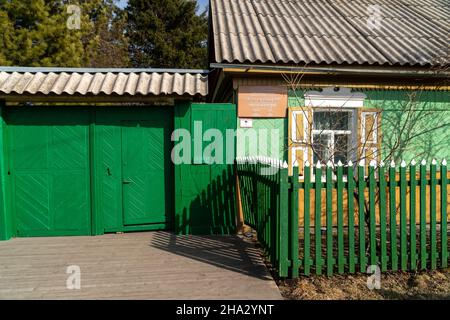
[50, 171]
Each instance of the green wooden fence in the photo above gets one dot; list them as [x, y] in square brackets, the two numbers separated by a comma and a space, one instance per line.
[345, 219]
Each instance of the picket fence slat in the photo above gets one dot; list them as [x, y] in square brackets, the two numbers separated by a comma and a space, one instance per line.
[293, 233]
[423, 216]
[307, 222]
[361, 221]
[412, 214]
[340, 218]
[433, 185]
[382, 208]
[403, 222]
[372, 221]
[329, 226]
[393, 217]
[444, 215]
[351, 218]
[317, 220]
[283, 223]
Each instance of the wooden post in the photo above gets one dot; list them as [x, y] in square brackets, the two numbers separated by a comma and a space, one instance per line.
[240, 214]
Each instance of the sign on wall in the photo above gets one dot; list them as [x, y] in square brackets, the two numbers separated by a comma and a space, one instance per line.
[246, 123]
[262, 102]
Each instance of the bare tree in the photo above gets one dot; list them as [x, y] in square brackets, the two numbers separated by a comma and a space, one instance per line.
[411, 129]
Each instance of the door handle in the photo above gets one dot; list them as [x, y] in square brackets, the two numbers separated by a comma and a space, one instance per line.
[127, 182]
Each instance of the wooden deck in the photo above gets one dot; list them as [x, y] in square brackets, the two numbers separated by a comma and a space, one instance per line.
[156, 265]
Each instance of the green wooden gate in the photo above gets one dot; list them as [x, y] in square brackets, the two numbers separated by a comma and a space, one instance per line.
[83, 171]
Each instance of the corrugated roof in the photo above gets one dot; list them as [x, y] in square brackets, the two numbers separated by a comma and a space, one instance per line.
[406, 32]
[42, 81]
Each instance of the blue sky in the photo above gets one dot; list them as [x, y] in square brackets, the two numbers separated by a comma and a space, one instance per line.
[203, 3]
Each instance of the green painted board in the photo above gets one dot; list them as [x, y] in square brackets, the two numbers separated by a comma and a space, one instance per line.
[205, 194]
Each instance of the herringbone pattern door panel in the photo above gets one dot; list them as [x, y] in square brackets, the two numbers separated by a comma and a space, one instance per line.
[49, 161]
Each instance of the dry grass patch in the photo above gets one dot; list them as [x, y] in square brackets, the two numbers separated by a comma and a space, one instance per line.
[394, 286]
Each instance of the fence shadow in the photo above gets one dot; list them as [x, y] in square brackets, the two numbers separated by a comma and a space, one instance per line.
[227, 252]
[207, 205]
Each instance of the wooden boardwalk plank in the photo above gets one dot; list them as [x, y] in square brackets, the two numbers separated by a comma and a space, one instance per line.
[156, 265]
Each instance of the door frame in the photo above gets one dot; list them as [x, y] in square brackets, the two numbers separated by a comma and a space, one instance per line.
[118, 115]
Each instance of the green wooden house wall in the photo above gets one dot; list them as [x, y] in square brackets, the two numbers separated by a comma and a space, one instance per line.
[432, 117]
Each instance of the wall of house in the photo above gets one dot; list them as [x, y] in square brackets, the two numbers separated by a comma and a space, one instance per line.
[265, 141]
[421, 119]
[264, 147]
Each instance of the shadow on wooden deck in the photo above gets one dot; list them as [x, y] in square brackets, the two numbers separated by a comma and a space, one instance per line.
[147, 265]
[227, 252]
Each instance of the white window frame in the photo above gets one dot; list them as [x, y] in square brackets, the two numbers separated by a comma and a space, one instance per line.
[330, 99]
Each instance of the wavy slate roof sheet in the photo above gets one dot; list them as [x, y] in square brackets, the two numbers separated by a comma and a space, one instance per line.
[406, 32]
[107, 83]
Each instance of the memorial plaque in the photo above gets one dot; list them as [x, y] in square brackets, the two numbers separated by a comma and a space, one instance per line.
[262, 102]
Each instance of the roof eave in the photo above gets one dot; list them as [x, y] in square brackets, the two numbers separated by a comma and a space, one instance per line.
[397, 71]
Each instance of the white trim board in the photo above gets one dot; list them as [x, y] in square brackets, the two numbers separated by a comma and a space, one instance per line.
[332, 98]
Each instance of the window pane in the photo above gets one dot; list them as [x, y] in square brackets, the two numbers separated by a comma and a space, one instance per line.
[321, 148]
[331, 120]
[341, 144]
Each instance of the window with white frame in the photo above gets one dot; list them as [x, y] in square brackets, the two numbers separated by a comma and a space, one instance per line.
[327, 127]
[333, 134]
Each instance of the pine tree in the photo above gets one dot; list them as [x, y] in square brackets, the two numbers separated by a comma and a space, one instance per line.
[106, 44]
[35, 33]
[167, 33]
